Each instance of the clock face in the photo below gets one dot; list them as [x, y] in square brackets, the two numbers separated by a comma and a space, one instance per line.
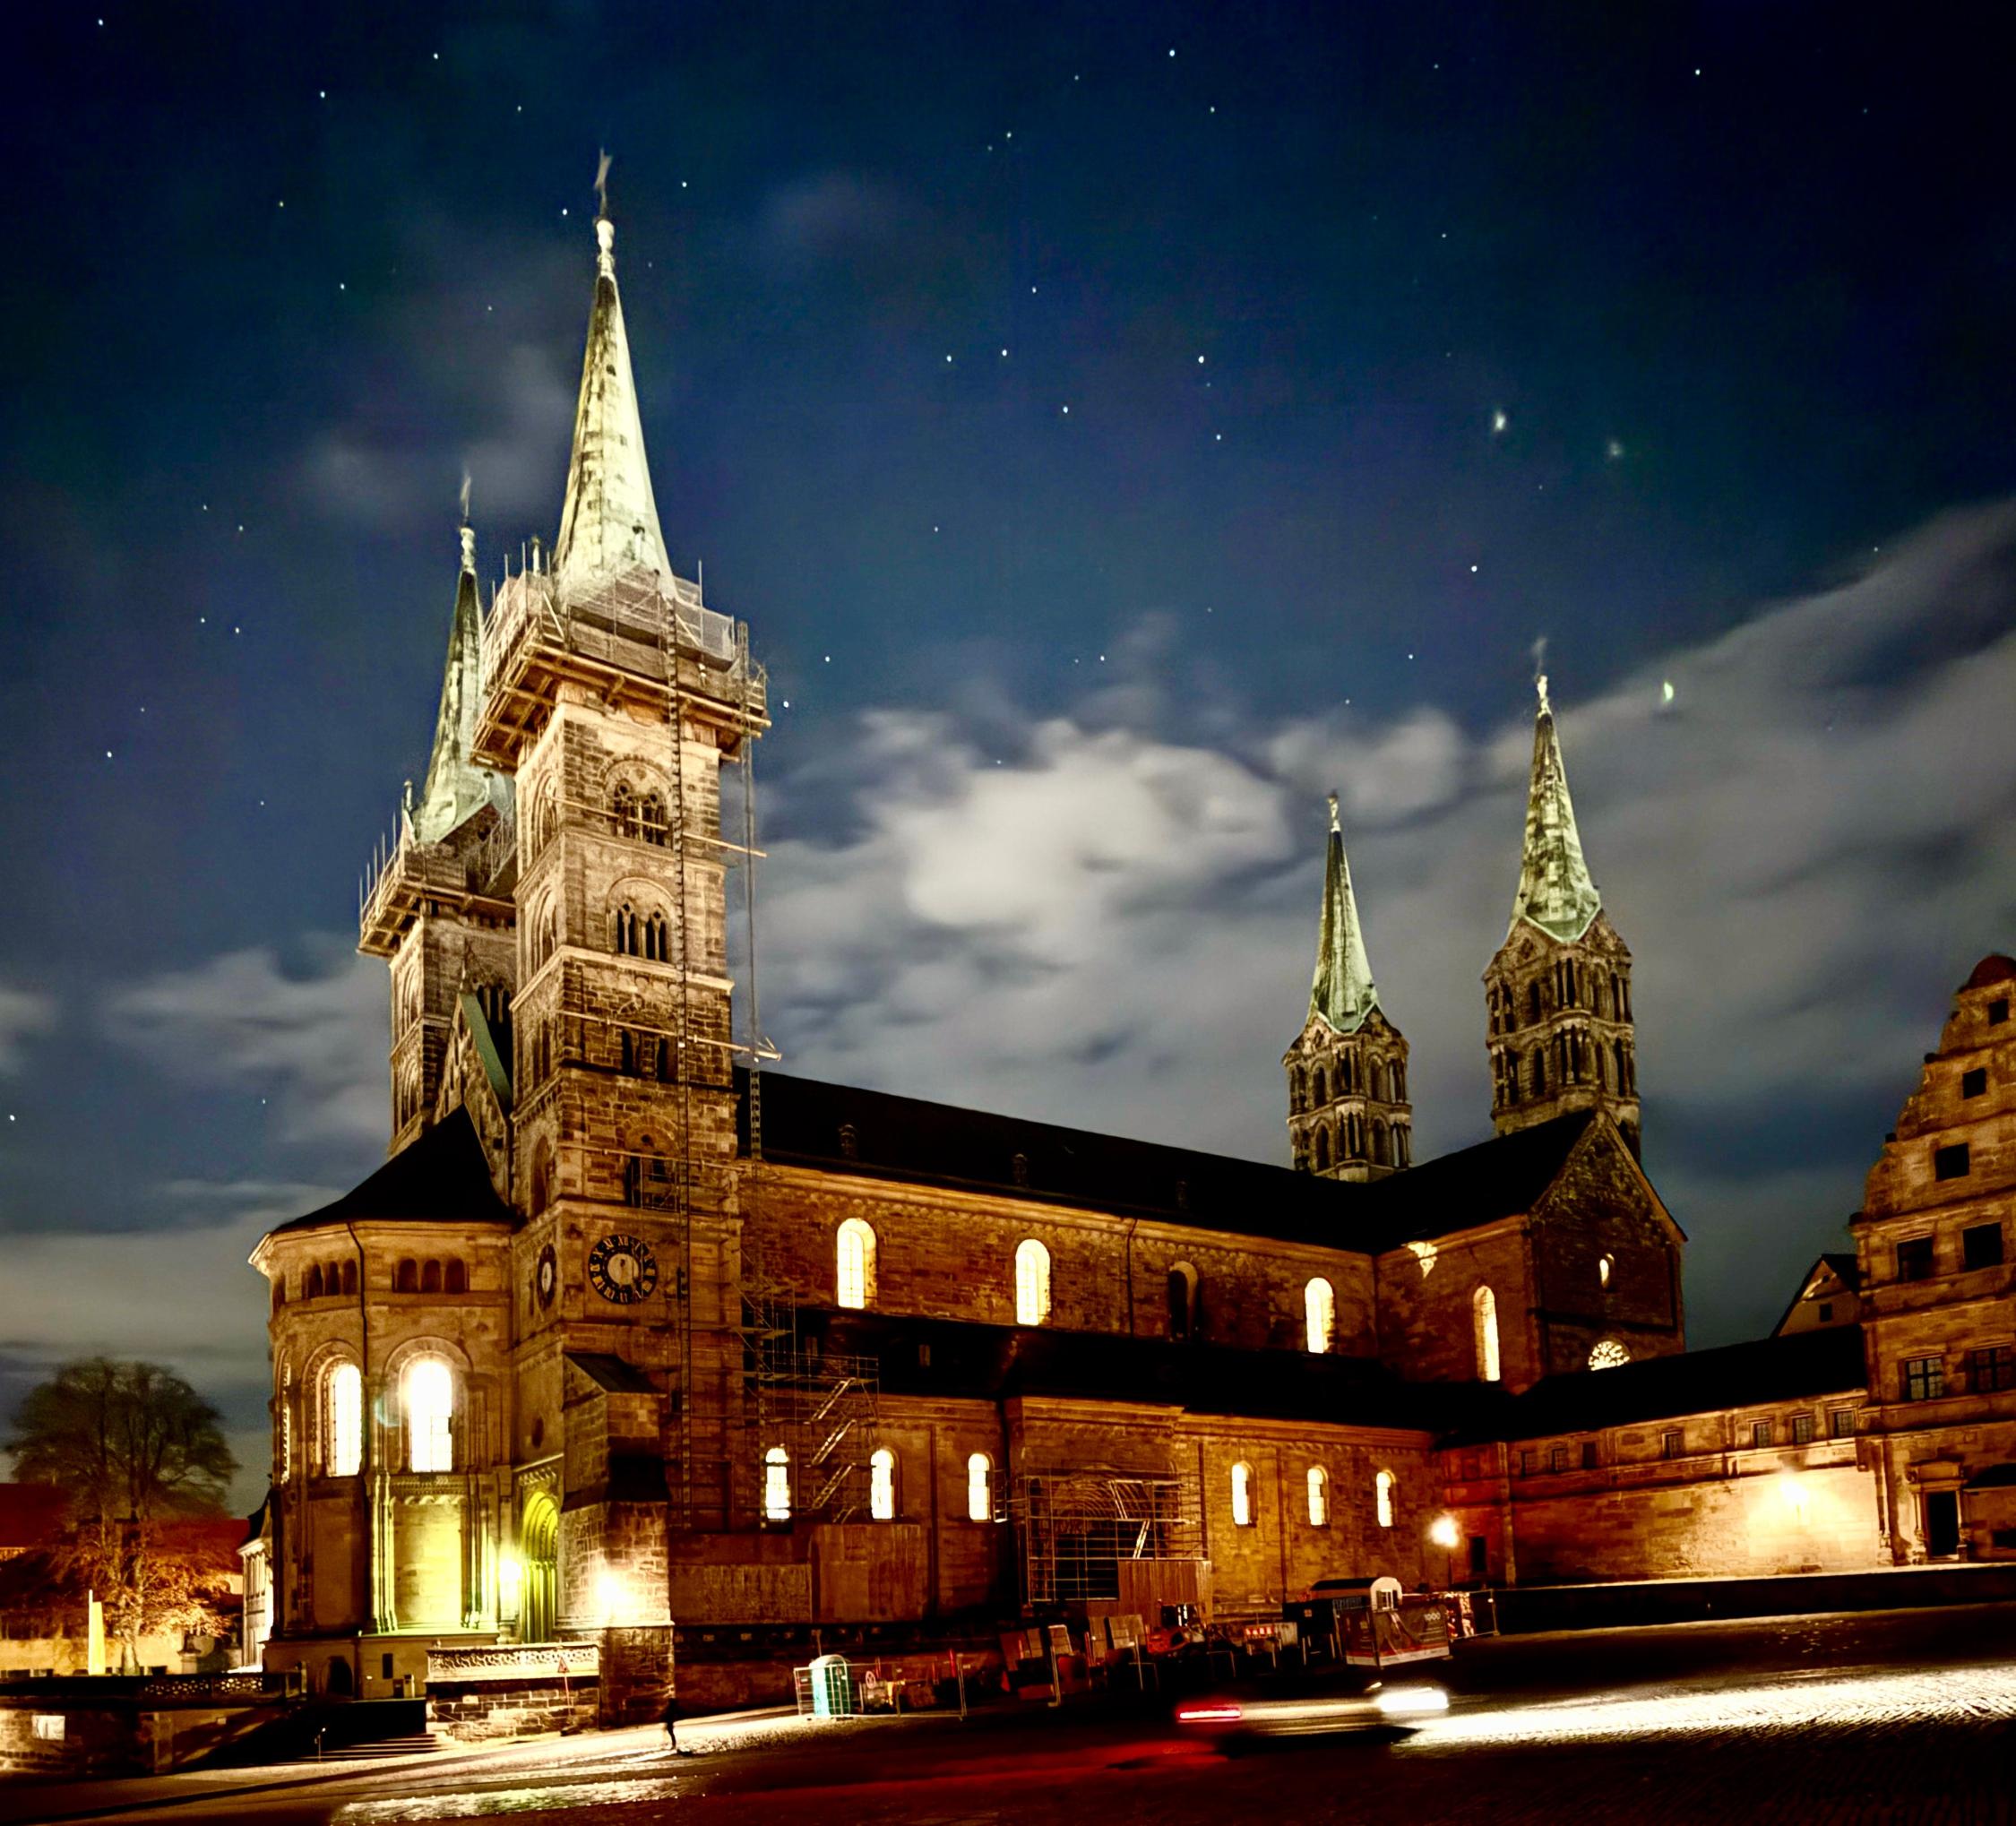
[546, 1277]
[623, 1270]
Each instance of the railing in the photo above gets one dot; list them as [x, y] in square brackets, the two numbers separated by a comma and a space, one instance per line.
[154, 1689]
[638, 609]
[521, 1661]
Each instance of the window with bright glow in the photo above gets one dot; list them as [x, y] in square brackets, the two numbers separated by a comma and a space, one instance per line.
[1383, 1495]
[1032, 1282]
[979, 1487]
[1319, 1303]
[343, 1421]
[1242, 1494]
[1604, 1264]
[1484, 1313]
[882, 1485]
[430, 1415]
[1608, 1355]
[856, 1248]
[1319, 1497]
[777, 1484]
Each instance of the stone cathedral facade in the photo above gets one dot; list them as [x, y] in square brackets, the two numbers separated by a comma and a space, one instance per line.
[633, 1339]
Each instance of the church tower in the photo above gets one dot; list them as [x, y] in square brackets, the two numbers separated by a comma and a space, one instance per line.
[438, 909]
[615, 697]
[1348, 1116]
[1557, 995]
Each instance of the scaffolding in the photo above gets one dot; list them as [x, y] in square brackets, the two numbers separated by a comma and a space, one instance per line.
[1106, 1538]
[746, 1379]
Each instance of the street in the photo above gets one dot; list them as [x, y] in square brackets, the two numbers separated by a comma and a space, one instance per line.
[1901, 1715]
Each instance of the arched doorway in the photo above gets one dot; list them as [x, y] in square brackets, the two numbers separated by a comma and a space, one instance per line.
[541, 1543]
[336, 1682]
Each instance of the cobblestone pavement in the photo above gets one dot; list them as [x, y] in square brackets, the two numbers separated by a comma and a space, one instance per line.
[1902, 1717]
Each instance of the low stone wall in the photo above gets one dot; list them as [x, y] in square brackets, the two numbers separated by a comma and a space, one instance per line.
[476, 1695]
[1527, 1609]
[729, 1669]
[100, 1724]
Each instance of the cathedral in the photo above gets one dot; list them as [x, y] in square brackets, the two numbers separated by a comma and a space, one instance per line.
[634, 1343]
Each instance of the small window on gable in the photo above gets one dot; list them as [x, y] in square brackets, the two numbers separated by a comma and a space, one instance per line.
[1981, 1245]
[1998, 1011]
[1975, 1083]
[1826, 1311]
[1950, 1162]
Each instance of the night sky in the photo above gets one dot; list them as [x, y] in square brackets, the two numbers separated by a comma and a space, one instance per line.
[1119, 427]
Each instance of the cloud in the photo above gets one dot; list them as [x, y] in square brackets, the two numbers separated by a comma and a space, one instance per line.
[1100, 920]
[828, 215]
[24, 1013]
[313, 1043]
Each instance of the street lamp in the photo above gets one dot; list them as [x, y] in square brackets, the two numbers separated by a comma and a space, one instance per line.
[1444, 1533]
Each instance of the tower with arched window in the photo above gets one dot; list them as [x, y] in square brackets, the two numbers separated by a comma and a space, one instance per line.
[1348, 1113]
[1558, 1021]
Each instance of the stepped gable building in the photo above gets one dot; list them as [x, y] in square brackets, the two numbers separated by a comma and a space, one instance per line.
[631, 1335]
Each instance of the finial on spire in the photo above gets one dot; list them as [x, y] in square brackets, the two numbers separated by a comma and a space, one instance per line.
[468, 549]
[605, 229]
[1540, 682]
[1334, 825]
[602, 183]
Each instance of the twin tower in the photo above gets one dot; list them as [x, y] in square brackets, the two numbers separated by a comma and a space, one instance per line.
[1558, 1005]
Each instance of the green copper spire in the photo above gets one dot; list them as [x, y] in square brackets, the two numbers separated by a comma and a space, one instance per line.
[456, 789]
[1343, 993]
[1555, 891]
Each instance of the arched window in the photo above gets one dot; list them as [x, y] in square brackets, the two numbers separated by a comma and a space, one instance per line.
[1032, 1282]
[1242, 1494]
[1320, 1095]
[350, 1277]
[1399, 1081]
[429, 1400]
[1323, 1148]
[1183, 1299]
[1533, 1000]
[342, 1421]
[1379, 1144]
[1319, 1313]
[311, 1288]
[657, 939]
[542, 1177]
[545, 936]
[625, 936]
[882, 1485]
[1295, 1090]
[455, 1281]
[406, 1278]
[623, 810]
[651, 818]
[430, 1278]
[855, 1247]
[979, 1487]
[1484, 1320]
[1608, 1355]
[1604, 1264]
[1540, 1071]
[1319, 1497]
[777, 1484]
[1383, 1497]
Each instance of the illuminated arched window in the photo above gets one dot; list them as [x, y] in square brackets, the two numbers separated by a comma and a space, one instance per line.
[342, 1421]
[1319, 1497]
[1319, 1309]
[777, 1484]
[979, 1487]
[855, 1252]
[1383, 1495]
[882, 1485]
[1604, 1264]
[428, 1395]
[1483, 1309]
[1242, 1494]
[1032, 1282]
[1608, 1355]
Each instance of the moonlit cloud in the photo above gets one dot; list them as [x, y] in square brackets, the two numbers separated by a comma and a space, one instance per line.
[25, 1014]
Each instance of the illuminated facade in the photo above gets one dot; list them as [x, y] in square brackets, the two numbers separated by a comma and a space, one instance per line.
[631, 1333]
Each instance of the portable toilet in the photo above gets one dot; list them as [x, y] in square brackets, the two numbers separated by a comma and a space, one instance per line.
[832, 1687]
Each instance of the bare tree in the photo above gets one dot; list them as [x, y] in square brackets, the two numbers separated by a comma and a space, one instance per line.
[133, 1445]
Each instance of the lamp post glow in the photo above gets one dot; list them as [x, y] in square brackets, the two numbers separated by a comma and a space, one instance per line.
[1444, 1533]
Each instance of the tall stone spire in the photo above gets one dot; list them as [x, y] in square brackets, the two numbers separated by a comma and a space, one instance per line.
[1343, 993]
[1555, 891]
[1558, 1021]
[1348, 1114]
[609, 524]
[456, 788]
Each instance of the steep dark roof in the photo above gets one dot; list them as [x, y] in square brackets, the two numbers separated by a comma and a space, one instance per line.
[1994, 967]
[1848, 1271]
[444, 1176]
[1840, 1263]
[1659, 1388]
[612, 1373]
[1001, 1362]
[907, 1139]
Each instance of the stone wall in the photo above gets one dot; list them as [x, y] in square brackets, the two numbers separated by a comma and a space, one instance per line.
[476, 1695]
